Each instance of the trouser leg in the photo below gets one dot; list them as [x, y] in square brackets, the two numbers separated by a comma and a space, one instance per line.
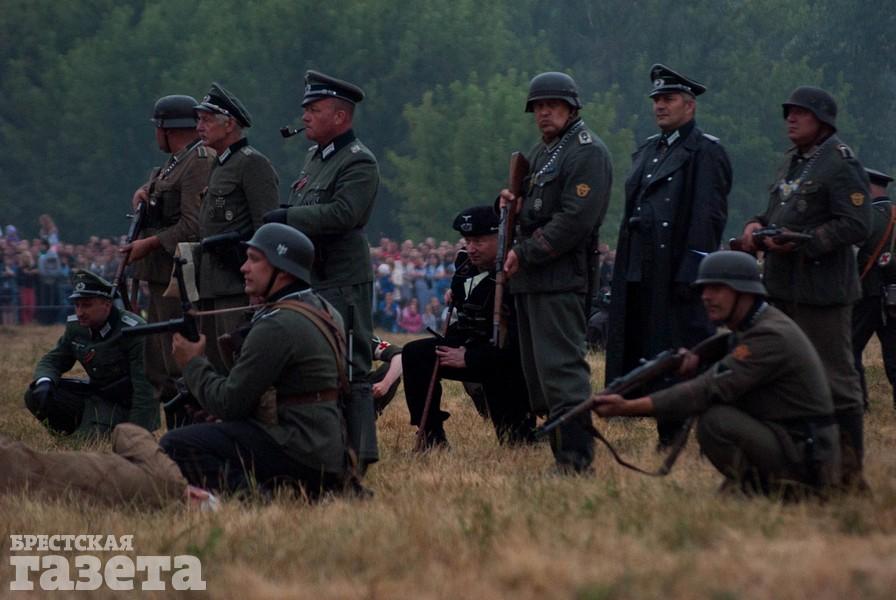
[235, 457]
[552, 325]
[64, 413]
[418, 359]
[742, 448]
[508, 405]
[161, 370]
[865, 320]
[886, 333]
[830, 331]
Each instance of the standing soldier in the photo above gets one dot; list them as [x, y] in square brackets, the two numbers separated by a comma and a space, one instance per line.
[874, 312]
[820, 189]
[331, 202]
[117, 389]
[243, 186]
[676, 205]
[558, 216]
[171, 199]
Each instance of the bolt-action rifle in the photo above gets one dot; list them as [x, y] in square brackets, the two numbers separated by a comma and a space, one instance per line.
[185, 325]
[118, 282]
[665, 363]
[519, 168]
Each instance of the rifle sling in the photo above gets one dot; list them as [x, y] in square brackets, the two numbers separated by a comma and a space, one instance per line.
[670, 460]
[327, 326]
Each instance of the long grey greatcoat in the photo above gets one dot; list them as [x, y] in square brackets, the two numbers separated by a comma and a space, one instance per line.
[684, 207]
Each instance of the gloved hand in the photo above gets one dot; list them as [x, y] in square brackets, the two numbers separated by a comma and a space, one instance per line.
[43, 394]
[278, 215]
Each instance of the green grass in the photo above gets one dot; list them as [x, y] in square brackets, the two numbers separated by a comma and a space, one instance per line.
[483, 521]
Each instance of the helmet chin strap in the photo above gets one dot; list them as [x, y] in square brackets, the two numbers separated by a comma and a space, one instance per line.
[734, 305]
[271, 280]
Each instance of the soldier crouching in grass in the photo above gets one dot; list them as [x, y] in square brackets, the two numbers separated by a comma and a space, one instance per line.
[117, 391]
[277, 413]
[467, 352]
[766, 418]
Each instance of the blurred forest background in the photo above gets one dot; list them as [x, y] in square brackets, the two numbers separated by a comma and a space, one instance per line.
[446, 85]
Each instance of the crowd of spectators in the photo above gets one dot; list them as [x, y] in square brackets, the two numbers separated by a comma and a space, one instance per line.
[411, 279]
[411, 282]
[35, 283]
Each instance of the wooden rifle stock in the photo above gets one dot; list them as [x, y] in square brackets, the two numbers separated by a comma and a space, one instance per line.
[118, 282]
[519, 168]
[420, 444]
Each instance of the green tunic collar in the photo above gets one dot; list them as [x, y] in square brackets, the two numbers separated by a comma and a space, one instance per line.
[232, 149]
[339, 142]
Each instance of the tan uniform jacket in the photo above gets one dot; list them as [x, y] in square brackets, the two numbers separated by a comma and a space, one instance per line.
[172, 212]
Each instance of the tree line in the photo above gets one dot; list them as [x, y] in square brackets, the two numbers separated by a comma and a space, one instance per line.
[446, 86]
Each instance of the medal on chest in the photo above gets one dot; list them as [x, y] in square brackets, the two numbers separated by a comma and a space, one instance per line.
[787, 188]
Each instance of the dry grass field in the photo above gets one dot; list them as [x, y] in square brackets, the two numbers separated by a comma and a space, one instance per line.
[481, 521]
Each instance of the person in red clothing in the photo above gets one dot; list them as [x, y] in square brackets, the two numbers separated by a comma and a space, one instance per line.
[411, 321]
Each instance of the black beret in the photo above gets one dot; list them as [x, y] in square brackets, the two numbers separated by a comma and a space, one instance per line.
[89, 285]
[477, 220]
[219, 100]
[666, 81]
[878, 177]
[319, 86]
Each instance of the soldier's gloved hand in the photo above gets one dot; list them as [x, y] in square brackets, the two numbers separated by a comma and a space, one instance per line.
[43, 394]
[278, 215]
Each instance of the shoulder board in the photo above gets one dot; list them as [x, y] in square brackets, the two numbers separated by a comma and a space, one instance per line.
[649, 140]
[711, 138]
[202, 151]
[71, 318]
[129, 320]
[247, 150]
[312, 148]
[845, 151]
[585, 137]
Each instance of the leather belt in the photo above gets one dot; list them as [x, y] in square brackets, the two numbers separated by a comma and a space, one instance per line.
[309, 398]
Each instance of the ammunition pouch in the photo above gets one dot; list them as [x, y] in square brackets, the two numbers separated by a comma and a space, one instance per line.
[811, 448]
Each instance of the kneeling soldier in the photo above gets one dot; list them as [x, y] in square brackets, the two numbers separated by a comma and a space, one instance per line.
[117, 391]
[766, 414]
[279, 411]
[466, 353]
